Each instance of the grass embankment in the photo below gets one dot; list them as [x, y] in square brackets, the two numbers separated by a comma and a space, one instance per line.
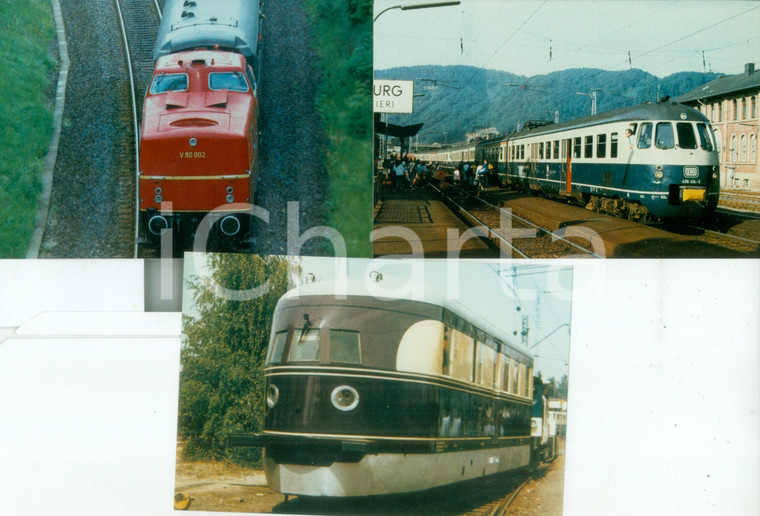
[26, 117]
[343, 33]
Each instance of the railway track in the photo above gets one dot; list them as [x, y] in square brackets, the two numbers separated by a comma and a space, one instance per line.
[517, 237]
[139, 22]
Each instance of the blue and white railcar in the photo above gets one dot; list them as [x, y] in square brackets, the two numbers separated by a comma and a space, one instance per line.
[666, 168]
[369, 396]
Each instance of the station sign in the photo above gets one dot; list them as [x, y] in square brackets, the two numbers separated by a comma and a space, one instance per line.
[393, 96]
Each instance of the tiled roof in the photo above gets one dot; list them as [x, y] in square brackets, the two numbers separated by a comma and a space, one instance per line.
[724, 86]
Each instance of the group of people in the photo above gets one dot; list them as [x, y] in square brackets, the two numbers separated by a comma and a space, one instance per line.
[407, 171]
[468, 174]
[404, 171]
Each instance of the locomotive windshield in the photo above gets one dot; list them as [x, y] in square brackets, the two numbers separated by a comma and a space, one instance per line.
[168, 82]
[686, 139]
[232, 81]
[305, 345]
[704, 137]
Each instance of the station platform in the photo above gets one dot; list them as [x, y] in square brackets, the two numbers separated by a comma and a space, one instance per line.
[411, 221]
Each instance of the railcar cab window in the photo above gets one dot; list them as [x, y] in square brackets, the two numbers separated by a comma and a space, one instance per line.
[169, 82]
[645, 136]
[305, 346]
[278, 348]
[664, 137]
[686, 139]
[232, 81]
[704, 137]
[345, 347]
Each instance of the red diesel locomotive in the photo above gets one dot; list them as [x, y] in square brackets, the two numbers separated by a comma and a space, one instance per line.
[199, 139]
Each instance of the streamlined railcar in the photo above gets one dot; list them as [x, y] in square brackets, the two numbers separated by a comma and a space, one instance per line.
[199, 140]
[369, 396]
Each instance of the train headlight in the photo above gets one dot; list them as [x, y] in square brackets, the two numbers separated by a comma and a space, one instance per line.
[658, 174]
[230, 198]
[158, 198]
[344, 398]
[193, 142]
[273, 395]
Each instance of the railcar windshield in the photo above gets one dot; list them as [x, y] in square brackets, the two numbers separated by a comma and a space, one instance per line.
[645, 136]
[305, 346]
[169, 82]
[664, 136]
[686, 139]
[704, 137]
[232, 81]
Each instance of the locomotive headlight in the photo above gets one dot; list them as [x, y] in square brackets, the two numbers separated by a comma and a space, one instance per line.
[344, 398]
[193, 142]
[158, 198]
[273, 395]
[658, 172]
[715, 170]
[230, 197]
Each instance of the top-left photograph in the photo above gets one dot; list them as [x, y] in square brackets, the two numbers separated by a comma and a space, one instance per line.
[147, 128]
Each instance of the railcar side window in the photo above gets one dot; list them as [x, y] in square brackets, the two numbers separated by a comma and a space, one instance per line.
[588, 151]
[278, 347]
[461, 356]
[686, 139]
[556, 149]
[663, 136]
[168, 82]
[232, 81]
[613, 145]
[601, 145]
[645, 136]
[305, 346]
[704, 137]
[541, 150]
[577, 147]
[345, 347]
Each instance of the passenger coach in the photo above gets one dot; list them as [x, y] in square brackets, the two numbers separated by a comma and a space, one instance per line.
[370, 396]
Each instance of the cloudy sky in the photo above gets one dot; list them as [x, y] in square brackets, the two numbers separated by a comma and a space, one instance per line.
[538, 37]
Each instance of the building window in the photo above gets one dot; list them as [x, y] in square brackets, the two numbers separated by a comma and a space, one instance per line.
[753, 107]
[734, 109]
[720, 112]
[733, 148]
[744, 109]
[752, 148]
[744, 148]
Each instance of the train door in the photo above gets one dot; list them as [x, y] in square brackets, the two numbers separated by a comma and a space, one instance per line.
[569, 165]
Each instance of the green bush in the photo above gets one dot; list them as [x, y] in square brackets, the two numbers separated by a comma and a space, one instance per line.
[222, 357]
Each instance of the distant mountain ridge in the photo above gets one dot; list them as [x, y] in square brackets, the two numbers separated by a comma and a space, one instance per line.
[458, 99]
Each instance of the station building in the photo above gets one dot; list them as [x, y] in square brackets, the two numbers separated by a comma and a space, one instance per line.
[730, 102]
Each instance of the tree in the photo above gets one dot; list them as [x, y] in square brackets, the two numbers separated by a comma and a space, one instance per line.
[223, 354]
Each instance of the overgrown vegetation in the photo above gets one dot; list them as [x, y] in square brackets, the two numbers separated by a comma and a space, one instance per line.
[26, 119]
[343, 32]
[222, 378]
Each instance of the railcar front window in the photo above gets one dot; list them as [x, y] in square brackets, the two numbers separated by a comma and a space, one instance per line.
[345, 347]
[168, 82]
[305, 346]
[686, 139]
[704, 137]
[645, 136]
[278, 347]
[664, 137]
[232, 81]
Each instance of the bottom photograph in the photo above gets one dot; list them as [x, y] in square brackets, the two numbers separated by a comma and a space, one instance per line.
[356, 386]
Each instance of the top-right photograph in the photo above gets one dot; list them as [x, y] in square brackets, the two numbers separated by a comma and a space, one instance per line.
[566, 129]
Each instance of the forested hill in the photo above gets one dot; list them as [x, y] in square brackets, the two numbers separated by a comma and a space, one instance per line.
[458, 99]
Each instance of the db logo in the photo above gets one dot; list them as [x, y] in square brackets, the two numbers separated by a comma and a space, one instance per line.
[690, 172]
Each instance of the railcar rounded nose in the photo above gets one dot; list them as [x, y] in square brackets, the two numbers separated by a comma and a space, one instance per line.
[158, 225]
[230, 225]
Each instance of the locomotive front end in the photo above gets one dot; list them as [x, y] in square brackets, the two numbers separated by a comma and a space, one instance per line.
[198, 149]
